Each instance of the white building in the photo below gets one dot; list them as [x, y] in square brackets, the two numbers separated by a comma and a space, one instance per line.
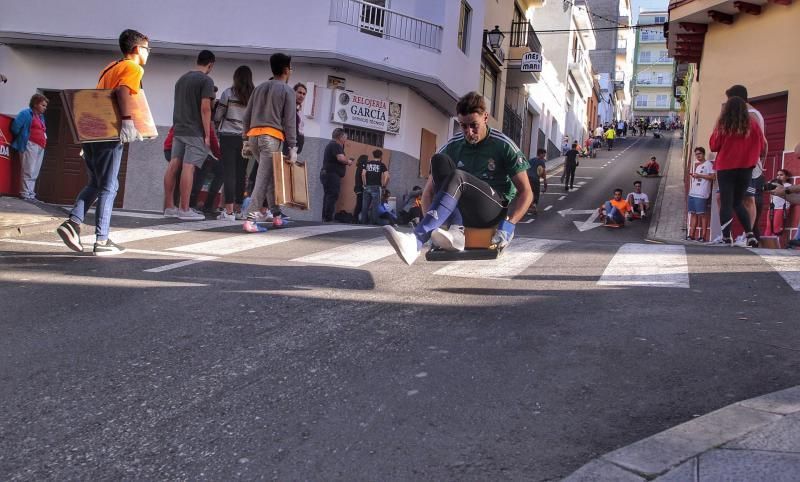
[561, 96]
[414, 54]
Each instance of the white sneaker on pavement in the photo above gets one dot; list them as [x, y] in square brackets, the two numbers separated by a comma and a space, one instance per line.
[405, 244]
[190, 215]
[224, 216]
[171, 213]
[449, 240]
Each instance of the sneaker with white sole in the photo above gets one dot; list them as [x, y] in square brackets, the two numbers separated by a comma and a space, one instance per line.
[277, 222]
[252, 227]
[70, 234]
[190, 215]
[405, 244]
[224, 216]
[449, 240]
[107, 248]
[171, 212]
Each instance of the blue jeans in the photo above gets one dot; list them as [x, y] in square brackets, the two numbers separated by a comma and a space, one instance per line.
[369, 204]
[102, 163]
[613, 214]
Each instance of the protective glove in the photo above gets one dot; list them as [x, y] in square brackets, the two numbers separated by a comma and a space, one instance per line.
[247, 152]
[503, 235]
[293, 154]
[128, 132]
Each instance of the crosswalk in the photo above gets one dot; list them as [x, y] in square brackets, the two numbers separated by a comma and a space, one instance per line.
[363, 247]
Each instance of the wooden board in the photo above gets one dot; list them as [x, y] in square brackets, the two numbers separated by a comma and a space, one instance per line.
[291, 183]
[93, 115]
[434, 254]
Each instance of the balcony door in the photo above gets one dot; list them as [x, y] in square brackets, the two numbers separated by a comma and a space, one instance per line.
[373, 17]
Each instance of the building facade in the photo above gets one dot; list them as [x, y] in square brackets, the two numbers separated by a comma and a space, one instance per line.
[652, 86]
[719, 44]
[410, 54]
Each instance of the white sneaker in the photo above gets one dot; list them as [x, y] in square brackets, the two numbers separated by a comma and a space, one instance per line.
[224, 216]
[405, 244]
[171, 213]
[450, 240]
[190, 215]
[260, 217]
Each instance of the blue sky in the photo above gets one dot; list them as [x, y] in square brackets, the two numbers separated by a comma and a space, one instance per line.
[636, 4]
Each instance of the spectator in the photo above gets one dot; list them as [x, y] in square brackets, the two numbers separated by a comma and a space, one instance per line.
[191, 118]
[103, 159]
[570, 165]
[374, 177]
[30, 140]
[779, 207]
[386, 215]
[300, 92]
[412, 209]
[270, 119]
[620, 128]
[738, 141]
[199, 174]
[536, 173]
[616, 210]
[229, 118]
[610, 135]
[792, 195]
[703, 176]
[753, 200]
[358, 187]
[334, 165]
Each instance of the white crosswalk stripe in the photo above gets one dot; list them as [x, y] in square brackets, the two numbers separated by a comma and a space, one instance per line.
[244, 241]
[123, 236]
[647, 265]
[785, 263]
[520, 254]
[351, 255]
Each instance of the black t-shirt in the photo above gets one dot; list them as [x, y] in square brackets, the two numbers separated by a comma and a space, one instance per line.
[375, 168]
[572, 156]
[329, 162]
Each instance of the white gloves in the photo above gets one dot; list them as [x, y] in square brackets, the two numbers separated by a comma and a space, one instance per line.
[247, 153]
[128, 132]
[293, 154]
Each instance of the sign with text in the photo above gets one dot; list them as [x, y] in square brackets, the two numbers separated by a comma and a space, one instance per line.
[357, 110]
[531, 62]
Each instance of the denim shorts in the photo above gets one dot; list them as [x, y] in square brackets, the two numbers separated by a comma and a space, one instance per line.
[697, 205]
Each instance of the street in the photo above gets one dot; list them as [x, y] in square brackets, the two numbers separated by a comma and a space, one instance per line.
[312, 352]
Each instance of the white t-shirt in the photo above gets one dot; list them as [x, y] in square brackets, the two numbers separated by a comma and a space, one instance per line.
[638, 198]
[598, 132]
[779, 202]
[759, 169]
[701, 188]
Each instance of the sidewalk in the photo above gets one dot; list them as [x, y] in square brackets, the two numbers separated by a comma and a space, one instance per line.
[669, 213]
[18, 217]
[757, 439]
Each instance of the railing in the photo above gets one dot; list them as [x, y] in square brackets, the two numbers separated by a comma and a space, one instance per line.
[665, 82]
[523, 35]
[619, 85]
[382, 22]
[579, 57]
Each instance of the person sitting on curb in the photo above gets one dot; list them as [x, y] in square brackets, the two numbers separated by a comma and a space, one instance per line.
[615, 210]
[478, 179]
[651, 168]
[792, 195]
[638, 200]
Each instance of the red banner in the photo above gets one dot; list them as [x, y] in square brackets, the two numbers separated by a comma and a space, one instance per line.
[9, 166]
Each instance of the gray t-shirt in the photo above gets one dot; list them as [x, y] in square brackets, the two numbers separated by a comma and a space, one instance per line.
[190, 89]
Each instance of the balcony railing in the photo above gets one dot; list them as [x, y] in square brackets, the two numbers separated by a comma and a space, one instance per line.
[523, 35]
[580, 59]
[383, 22]
[665, 82]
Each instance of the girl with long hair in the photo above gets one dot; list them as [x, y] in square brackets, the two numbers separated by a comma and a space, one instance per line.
[739, 143]
[228, 118]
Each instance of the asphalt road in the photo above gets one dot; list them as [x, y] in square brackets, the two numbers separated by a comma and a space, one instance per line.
[282, 359]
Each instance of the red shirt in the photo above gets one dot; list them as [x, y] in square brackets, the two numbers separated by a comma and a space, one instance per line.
[38, 135]
[736, 151]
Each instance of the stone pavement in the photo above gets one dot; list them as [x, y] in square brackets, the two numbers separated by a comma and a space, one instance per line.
[18, 217]
[669, 213]
[756, 439]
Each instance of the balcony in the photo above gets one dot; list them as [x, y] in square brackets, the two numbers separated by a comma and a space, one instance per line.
[619, 85]
[622, 46]
[523, 39]
[654, 83]
[383, 22]
[581, 71]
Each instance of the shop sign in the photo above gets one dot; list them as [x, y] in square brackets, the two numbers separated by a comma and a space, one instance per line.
[371, 113]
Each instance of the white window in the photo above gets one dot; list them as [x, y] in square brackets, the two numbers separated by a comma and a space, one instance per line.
[662, 101]
[660, 20]
[463, 26]
[645, 57]
[663, 56]
[488, 85]
[661, 79]
[641, 101]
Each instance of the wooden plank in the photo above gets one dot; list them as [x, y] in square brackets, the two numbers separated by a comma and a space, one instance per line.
[93, 115]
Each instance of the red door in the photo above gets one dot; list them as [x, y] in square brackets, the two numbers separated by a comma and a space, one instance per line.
[773, 108]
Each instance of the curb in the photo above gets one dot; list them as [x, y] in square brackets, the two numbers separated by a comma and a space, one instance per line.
[673, 453]
[50, 224]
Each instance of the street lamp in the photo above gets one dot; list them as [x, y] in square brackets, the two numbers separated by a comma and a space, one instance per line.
[495, 37]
